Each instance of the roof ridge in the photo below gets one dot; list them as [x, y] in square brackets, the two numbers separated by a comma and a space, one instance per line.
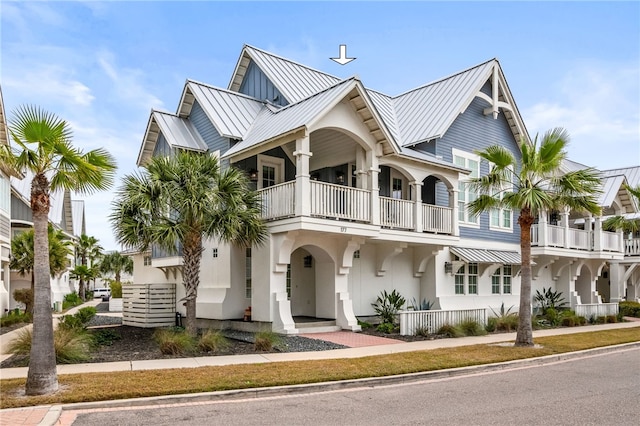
[282, 58]
[231, 92]
[440, 80]
[620, 168]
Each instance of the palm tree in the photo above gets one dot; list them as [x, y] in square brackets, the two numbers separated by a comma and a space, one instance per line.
[83, 273]
[115, 263]
[42, 148]
[178, 201]
[22, 255]
[534, 185]
[87, 249]
[620, 222]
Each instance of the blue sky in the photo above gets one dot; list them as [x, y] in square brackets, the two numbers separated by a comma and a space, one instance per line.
[103, 65]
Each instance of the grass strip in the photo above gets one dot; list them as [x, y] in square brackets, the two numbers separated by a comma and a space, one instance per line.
[134, 384]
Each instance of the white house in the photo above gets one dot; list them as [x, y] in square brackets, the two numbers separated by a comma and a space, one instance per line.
[365, 192]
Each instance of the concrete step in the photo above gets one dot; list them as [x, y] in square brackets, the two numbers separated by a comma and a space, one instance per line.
[317, 327]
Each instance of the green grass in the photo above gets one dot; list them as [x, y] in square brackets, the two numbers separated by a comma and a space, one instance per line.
[134, 384]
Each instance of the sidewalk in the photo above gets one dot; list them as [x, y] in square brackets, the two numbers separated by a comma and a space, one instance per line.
[49, 415]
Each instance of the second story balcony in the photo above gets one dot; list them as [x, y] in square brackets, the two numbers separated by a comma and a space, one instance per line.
[554, 236]
[632, 247]
[337, 202]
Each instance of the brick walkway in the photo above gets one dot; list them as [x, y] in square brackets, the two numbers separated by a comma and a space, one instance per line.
[351, 339]
[23, 416]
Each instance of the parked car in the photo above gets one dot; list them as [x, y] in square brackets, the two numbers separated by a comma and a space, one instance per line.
[104, 293]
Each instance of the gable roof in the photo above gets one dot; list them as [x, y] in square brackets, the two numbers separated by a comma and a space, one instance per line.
[295, 81]
[230, 113]
[631, 173]
[178, 132]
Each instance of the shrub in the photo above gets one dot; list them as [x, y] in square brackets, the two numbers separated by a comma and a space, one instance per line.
[421, 331]
[568, 322]
[472, 328]
[13, 318]
[173, 342]
[24, 296]
[71, 300]
[116, 289]
[79, 320]
[611, 319]
[448, 330]
[364, 325]
[105, 337]
[503, 320]
[549, 299]
[425, 305]
[212, 341]
[630, 309]
[266, 340]
[70, 346]
[386, 328]
[387, 306]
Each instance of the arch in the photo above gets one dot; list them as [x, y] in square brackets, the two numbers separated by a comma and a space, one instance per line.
[444, 179]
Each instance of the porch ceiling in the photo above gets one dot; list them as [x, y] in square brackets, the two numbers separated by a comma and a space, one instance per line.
[331, 148]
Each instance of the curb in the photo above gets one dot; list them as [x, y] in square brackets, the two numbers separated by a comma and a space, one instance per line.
[55, 411]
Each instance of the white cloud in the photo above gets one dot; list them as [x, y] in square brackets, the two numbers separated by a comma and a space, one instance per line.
[600, 107]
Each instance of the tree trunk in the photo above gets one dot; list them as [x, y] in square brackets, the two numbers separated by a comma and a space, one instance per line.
[42, 376]
[524, 336]
[81, 289]
[191, 254]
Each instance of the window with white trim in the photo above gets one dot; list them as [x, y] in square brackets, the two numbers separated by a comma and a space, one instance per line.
[465, 193]
[501, 280]
[501, 218]
[147, 261]
[466, 279]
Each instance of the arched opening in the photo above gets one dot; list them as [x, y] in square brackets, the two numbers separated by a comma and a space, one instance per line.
[311, 284]
[583, 285]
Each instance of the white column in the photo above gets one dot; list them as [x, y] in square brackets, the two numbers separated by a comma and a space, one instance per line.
[417, 206]
[303, 181]
[616, 285]
[542, 228]
[361, 181]
[453, 203]
[374, 171]
[597, 233]
[565, 225]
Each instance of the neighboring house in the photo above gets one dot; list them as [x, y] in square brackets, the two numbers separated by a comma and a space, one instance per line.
[365, 192]
[5, 218]
[65, 214]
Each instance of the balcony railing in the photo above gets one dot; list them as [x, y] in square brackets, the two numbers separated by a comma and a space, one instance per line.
[632, 247]
[279, 201]
[577, 238]
[396, 213]
[341, 202]
[437, 219]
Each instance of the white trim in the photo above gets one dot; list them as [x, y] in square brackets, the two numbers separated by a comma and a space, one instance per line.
[277, 163]
[464, 222]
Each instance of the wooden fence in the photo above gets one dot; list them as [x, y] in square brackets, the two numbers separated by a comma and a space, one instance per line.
[148, 305]
[431, 321]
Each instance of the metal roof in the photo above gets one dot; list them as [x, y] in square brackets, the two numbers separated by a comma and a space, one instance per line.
[473, 255]
[4, 133]
[231, 113]
[384, 105]
[269, 124]
[179, 132]
[57, 198]
[631, 173]
[295, 81]
[427, 112]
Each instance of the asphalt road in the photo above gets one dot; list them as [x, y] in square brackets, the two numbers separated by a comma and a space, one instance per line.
[598, 390]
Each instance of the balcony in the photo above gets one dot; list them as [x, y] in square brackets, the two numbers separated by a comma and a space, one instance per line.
[632, 247]
[576, 239]
[338, 202]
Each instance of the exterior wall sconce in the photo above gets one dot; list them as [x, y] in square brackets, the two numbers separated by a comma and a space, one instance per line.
[253, 175]
[340, 177]
[448, 267]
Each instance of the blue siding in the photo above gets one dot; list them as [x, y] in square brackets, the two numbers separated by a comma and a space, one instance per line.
[162, 148]
[257, 85]
[473, 131]
[20, 210]
[207, 131]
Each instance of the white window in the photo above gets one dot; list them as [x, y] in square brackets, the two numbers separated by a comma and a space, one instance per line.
[501, 280]
[501, 219]
[465, 193]
[270, 171]
[147, 261]
[466, 279]
[215, 252]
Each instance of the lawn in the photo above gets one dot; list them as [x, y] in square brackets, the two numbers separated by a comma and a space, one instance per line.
[134, 384]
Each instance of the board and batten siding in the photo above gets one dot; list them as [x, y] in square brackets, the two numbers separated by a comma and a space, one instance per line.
[256, 84]
[162, 148]
[206, 129]
[470, 132]
[20, 210]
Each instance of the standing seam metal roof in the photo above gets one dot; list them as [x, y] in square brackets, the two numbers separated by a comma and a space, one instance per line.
[179, 132]
[631, 173]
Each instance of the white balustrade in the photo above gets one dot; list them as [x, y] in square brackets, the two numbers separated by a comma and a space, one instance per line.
[555, 236]
[337, 201]
[278, 201]
[610, 241]
[579, 239]
[396, 213]
[632, 247]
[431, 321]
[437, 219]
[589, 310]
[535, 235]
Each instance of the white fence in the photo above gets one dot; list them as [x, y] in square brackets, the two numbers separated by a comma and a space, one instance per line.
[437, 219]
[148, 305]
[632, 247]
[610, 241]
[589, 310]
[431, 321]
